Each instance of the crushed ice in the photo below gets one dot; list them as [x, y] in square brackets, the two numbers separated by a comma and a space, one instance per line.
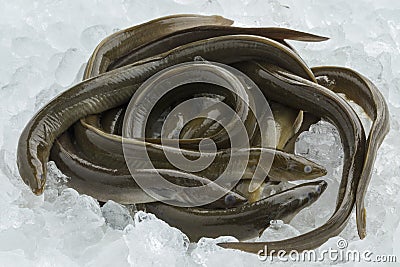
[43, 48]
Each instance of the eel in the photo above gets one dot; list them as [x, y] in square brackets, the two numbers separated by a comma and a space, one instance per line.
[287, 123]
[106, 184]
[284, 166]
[160, 92]
[122, 42]
[114, 88]
[182, 37]
[363, 92]
[352, 168]
[87, 86]
[165, 42]
[244, 221]
[294, 91]
[297, 201]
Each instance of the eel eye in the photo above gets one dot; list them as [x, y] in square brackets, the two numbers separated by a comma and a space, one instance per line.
[307, 169]
[319, 190]
[230, 200]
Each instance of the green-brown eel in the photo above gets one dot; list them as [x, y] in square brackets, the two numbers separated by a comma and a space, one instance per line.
[244, 221]
[285, 166]
[343, 203]
[122, 42]
[363, 92]
[114, 88]
[160, 35]
[271, 32]
[209, 49]
[165, 42]
[297, 92]
[181, 37]
[113, 56]
[106, 149]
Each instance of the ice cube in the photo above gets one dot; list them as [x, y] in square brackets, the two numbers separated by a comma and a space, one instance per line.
[394, 93]
[14, 258]
[321, 144]
[117, 216]
[91, 36]
[110, 250]
[207, 253]
[153, 242]
[27, 47]
[62, 35]
[69, 65]
[278, 233]
[55, 257]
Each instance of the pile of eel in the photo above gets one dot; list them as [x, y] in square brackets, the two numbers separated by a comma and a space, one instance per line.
[82, 129]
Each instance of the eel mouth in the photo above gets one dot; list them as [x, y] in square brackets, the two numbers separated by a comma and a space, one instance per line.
[38, 191]
[40, 187]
